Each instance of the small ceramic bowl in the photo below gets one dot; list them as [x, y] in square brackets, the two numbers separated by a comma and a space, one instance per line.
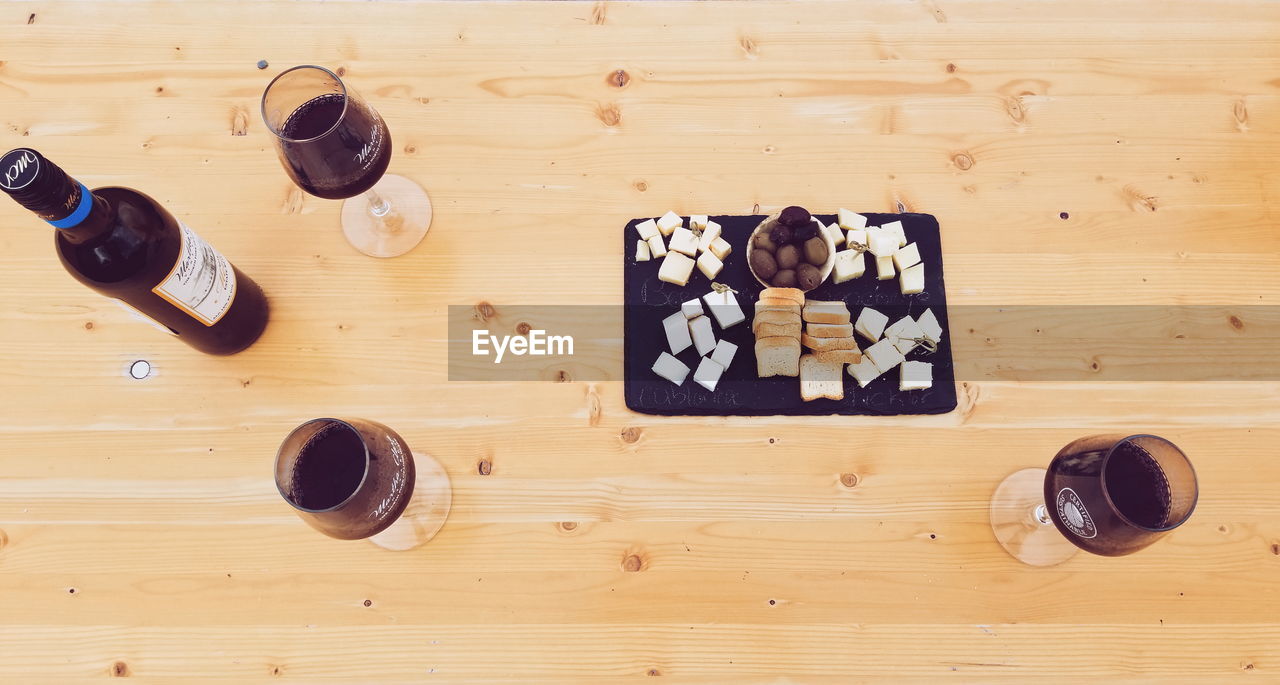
[769, 223]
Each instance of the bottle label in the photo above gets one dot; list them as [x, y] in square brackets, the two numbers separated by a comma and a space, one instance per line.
[201, 283]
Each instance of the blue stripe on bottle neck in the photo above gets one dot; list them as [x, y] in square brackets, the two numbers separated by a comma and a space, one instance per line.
[80, 213]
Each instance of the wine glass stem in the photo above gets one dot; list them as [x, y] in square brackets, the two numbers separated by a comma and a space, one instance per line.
[1041, 515]
[377, 205]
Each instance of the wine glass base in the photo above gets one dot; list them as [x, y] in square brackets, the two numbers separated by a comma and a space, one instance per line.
[1014, 523]
[426, 512]
[396, 232]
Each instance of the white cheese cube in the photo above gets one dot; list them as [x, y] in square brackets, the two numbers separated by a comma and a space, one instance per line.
[916, 376]
[850, 264]
[895, 227]
[676, 268]
[682, 241]
[884, 355]
[850, 221]
[724, 307]
[930, 327]
[647, 229]
[906, 256]
[708, 374]
[692, 308]
[677, 329]
[710, 233]
[709, 265]
[884, 268]
[642, 251]
[656, 247]
[881, 243]
[904, 333]
[913, 280]
[703, 339]
[671, 368]
[669, 222]
[835, 233]
[858, 237]
[723, 354]
[720, 248]
[870, 324]
[697, 221]
[864, 371]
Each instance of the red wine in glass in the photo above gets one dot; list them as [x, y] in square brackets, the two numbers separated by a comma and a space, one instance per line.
[334, 145]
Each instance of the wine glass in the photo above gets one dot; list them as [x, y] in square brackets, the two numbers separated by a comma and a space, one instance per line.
[1107, 494]
[353, 479]
[335, 146]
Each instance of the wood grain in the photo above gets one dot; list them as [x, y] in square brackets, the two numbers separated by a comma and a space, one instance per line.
[1075, 153]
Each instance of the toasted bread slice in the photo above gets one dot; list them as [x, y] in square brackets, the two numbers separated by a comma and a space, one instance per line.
[787, 330]
[775, 317]
[821, 311]
[828, 344]
[840, 356]
[777, 356]
[819, 378]
[777, 302]
[829, 330]
[795, 295]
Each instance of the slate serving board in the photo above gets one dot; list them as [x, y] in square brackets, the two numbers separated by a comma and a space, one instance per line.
[740, 393]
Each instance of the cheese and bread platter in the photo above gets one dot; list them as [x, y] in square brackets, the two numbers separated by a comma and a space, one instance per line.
[791, 313]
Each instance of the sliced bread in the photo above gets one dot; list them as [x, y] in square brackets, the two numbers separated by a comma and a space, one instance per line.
[777, 356]
[828, 344]
[795, 295]
[788, 330]
[775, 317]
[840, 356]
[830, 330]
[819, 378]
[820, 311]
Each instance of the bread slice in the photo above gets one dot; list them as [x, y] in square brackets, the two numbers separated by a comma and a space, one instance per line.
[819, 378]
[787, 330]
[828, 344]
[796, 295]
[777, 302]
[820, 311]
[840, 356]
[777, 356]
[778, 318]
[830, 330]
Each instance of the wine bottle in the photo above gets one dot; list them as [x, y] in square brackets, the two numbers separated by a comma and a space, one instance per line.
[124, 245]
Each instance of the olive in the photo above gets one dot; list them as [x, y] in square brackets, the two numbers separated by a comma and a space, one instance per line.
[804, 232]
[794, 217]
[763, 242]
[781, 235]
[784, 279]
[788, 256]
[808, 277]
[763, 265]
[815, 251]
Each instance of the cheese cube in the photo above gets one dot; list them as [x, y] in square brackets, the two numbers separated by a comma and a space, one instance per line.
[723, 354]
[669, 222]
[906, 256]
[858, 237]
[881, 243]
[677, 329]
[835, 233]
[697, 221]
[850, 264]
[647, 229]
[642, 251]
[692, 308]
[708, 374]
[913, 280]
[895, 227]
[710, 233]
[703, 339]
[864, 371]
[724, 308]
[709, 265]
[870, 324]
[676, 268]
[850, 221]
[656, 247]
[930, 327]
[682, 241]
[884, 355]
[916, 376]
[904, 333]
[884, 268]
[720, 248]
[671, 368]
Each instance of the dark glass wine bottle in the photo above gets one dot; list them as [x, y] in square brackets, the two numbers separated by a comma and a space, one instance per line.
[124, 245]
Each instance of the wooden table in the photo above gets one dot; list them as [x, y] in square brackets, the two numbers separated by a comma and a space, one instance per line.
[140, 531]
